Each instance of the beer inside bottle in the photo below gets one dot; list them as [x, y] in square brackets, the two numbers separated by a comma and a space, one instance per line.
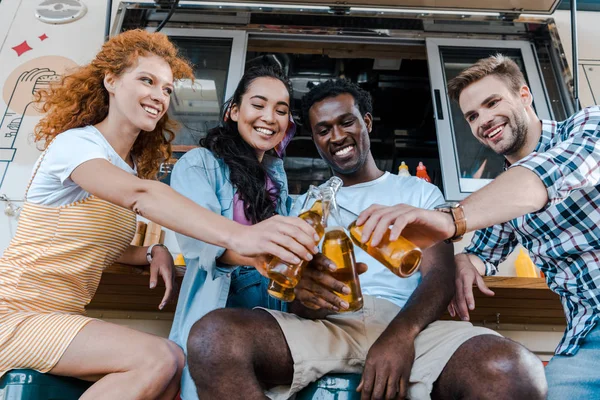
[288, 275]
[401, 256]
[280, 292]
[285, 277]
[338, 248]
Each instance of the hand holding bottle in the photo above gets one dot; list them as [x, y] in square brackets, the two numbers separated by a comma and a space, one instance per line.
[288, 238]
[422, 227]
[317, 285]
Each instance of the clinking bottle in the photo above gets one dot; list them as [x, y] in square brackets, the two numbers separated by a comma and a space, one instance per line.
[400, 256]
[338, 247]
[284, 277]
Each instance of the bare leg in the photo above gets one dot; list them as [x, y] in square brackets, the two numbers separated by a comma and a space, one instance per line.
[233, 353]
[128, 364]
[491, 367]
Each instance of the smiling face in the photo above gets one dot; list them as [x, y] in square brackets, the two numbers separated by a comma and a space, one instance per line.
[263, 114]
[142, 93]
[341, 133]
[496, 114]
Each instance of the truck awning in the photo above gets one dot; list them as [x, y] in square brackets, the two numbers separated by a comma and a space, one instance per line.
[501, 6]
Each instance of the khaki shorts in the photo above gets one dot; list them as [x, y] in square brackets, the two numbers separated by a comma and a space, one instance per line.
[340, 343]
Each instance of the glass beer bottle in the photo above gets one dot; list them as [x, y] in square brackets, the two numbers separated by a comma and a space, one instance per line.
[279, 292]
[338, 247]
[285, 277]
[401, 256]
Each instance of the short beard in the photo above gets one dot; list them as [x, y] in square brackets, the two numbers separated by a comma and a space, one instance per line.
[520, 135]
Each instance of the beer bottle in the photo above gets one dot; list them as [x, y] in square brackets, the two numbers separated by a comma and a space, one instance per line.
[338, 247]
[285, 277]
[279, 292]
[401, 256]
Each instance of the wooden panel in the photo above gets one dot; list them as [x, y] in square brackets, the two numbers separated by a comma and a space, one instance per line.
[126, 287]
[182, 148]
[505, 282]
[517, 300]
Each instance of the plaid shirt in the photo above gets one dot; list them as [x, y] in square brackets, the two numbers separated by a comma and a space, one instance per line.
[564, 237]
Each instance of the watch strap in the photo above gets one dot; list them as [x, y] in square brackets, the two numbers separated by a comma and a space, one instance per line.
[460, 222]
[457, 213]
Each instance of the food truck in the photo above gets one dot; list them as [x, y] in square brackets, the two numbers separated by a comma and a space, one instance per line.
[403, 52]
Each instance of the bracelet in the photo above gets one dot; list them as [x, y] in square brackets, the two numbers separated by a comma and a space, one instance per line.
[149, 251]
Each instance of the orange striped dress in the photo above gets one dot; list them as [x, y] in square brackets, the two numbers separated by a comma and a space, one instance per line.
[50, 272]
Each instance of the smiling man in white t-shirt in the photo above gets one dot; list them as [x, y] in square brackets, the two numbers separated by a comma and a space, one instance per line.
[395, 340]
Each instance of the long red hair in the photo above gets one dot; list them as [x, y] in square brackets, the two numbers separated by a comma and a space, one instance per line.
[80, 98]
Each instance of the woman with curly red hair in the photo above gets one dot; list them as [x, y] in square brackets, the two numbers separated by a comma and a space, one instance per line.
[106, 123]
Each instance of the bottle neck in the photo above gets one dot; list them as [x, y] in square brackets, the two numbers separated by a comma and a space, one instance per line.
[330, 209]
[313, 195]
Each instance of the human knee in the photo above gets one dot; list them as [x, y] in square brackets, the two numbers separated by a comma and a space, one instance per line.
[167, 360]
[213, 338]
[510, 367]
[162, 363]
[178, 355]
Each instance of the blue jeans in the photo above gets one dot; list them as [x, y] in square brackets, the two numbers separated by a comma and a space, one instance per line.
[249, 289]
[578, 376]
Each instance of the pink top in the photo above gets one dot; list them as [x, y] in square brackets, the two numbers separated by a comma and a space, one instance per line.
[238, 205]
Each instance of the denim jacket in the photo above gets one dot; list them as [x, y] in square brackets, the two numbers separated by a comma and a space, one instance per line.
[203, 178]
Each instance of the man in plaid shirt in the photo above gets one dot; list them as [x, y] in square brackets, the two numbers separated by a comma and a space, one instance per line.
[548, 200]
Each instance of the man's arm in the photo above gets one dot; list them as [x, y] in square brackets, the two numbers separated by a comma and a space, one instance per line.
[430, 298]
[516, 192]
[528, 186]
[390, 359]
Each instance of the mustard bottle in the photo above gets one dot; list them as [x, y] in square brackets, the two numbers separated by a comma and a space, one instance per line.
[403, 170]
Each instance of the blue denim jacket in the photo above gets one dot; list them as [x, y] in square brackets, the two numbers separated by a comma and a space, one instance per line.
[203, 178]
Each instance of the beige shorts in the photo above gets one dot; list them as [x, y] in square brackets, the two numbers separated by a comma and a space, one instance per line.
[340, 343]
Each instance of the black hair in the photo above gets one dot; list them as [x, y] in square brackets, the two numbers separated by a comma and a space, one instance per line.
[333, 88]
[247, 174]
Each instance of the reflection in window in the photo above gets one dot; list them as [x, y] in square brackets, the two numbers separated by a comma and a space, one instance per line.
[475, 160]
[197, 106]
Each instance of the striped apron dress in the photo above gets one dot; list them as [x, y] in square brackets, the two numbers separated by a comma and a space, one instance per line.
[50, 272]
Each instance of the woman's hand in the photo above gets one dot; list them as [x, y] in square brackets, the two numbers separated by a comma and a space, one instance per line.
[289, 238]
[162, 264]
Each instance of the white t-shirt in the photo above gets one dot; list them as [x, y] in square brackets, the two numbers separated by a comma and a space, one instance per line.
[52, 185]
[387, 190]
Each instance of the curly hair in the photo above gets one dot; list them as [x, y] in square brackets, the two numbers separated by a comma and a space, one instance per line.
[80, 98]
[246, 173]
[333, 88]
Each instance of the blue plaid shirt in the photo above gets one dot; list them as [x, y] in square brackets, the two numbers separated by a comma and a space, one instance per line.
[564, 237]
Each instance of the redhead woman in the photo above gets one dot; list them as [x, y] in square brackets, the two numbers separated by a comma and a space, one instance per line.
[105, 133]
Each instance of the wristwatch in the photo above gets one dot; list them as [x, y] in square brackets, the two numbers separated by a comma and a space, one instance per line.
[458, 216]
[149, 251]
